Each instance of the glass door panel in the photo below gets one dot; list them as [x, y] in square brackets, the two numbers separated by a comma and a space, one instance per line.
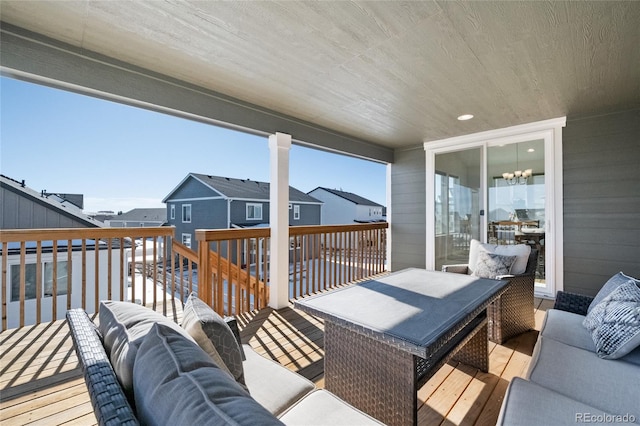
[516, 197]
[457, 204]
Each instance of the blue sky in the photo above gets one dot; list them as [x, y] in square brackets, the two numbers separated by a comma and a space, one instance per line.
[122, 157]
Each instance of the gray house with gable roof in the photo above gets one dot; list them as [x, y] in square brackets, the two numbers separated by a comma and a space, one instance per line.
[214, 202]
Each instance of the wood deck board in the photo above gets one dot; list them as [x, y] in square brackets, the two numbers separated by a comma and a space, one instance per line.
[41, 383]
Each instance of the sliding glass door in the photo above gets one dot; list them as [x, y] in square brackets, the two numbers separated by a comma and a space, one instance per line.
[502, 187]
[516, 202]
[457, 204]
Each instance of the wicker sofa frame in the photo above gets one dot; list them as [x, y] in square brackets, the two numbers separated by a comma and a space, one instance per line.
[110, 404]
[513, 312]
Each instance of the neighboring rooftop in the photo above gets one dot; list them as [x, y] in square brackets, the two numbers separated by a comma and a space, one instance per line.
[350, 196]
[57, 203]
[142, 215]
[245, 188]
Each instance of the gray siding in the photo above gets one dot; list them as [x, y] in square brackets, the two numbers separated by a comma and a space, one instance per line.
[205, 214]
[601, 199]
[19, 212]
[408, 218]
[309, 215]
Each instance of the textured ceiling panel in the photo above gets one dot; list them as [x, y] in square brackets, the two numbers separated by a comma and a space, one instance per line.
[394, 73]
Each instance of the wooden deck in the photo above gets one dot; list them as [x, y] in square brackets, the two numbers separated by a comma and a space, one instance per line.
[41, 383]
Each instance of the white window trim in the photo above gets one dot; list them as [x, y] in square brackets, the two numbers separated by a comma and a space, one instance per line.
[173, 212]
[61, 290]
[184, 206]
[254, 205]
[186, 235]
[296, 212]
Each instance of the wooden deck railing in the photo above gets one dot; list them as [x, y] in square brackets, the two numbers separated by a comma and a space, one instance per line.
[45, 272]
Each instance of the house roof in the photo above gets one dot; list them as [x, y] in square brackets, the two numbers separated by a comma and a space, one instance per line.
[349, 196]
[244, 189]
[360, 77]
[142, 215]
[64, 208]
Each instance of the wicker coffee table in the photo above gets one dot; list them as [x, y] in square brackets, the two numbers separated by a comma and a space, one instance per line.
[385, 338]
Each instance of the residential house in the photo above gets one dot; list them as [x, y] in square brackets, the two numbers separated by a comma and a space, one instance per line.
[25, 208]
[557, 78]
[215, 202]
[344, 208]
[138, 217]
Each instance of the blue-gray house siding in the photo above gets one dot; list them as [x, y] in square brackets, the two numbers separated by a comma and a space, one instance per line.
[221, 203]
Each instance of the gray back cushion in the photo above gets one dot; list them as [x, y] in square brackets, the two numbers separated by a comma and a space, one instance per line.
[189, 389]
[123, 325]
[213, 334]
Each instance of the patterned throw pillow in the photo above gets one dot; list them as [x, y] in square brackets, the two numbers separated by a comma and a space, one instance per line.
[615, 322]
[491, 265]
[612, 283]
[213, 334]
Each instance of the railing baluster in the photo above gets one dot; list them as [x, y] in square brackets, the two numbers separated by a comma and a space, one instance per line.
[54, 277]
[5, 254]
[39, 282]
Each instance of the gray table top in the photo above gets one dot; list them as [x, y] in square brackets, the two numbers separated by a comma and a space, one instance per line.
[412, 308]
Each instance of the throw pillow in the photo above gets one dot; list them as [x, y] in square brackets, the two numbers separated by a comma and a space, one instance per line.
[521, 251]
[123, 326]
[213, 335]
[176, 383]
[491, 265]
[614, 323]
[614, 282]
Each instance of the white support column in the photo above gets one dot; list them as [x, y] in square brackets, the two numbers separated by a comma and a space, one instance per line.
[279, 146]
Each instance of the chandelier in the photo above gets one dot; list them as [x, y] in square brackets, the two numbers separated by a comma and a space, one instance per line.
[518, 176]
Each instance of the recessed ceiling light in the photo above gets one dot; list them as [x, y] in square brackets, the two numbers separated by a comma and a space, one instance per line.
[531, 150]
[465, 117]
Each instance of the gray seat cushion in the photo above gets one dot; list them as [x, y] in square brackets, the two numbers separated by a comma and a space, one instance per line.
[324, 408]
[275, 387]
[123, 326]
[529, 404]
[566, 327]
[189, 388]
[609, 385]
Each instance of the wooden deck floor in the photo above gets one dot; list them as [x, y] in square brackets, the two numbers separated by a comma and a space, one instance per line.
[41, 383]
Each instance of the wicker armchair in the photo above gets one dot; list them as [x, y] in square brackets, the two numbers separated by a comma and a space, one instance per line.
[513, 312]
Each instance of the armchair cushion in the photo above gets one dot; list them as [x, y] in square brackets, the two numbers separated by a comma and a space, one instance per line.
[521, 251]
[491, 265]
[615, 322]
[212, 334]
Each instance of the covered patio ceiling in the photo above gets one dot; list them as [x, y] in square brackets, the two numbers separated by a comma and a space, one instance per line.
[361, 77]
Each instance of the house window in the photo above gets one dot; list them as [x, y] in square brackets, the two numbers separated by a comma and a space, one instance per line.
[296, 212]
[186, 213]
[31, 274]
[186, 240]
[173, 211]
[254, 211]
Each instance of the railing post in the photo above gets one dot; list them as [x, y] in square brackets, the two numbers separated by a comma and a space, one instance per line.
[204, 269]
[279, 146]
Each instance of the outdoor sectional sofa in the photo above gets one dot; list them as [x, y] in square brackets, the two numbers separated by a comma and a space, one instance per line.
[585, 367]
[142, 368]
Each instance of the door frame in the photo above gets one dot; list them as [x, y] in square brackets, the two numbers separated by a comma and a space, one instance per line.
[548, 130]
